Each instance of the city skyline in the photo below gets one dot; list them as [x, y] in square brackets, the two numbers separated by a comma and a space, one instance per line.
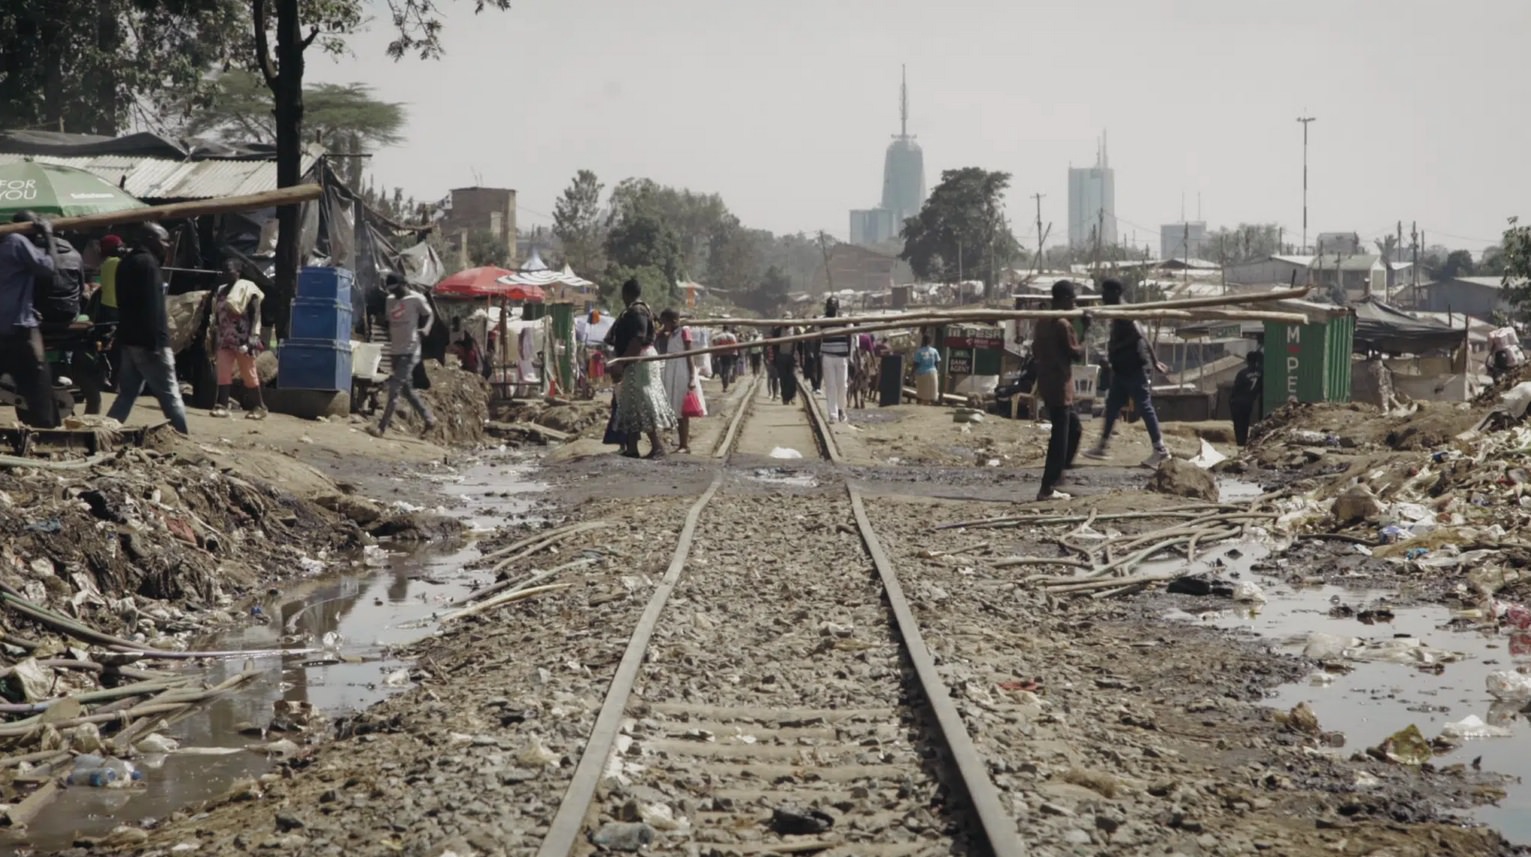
[1092, 202]
[723, 99]
[903, 182]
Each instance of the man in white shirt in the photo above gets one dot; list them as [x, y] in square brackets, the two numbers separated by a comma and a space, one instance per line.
[409, 317]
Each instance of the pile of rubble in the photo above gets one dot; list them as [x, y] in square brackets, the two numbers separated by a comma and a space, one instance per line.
[1462, 501]
[103, 542]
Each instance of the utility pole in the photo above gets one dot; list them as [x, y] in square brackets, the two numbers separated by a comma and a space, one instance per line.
[1305, 120]
[1414, 239]
[1038, 198]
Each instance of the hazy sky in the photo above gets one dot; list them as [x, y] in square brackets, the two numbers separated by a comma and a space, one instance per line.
[785, 107]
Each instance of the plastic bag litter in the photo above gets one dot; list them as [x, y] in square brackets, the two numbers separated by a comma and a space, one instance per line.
[785, 452]
[1472, 726]
[1407, 746]
[1248, 592]
[1515, 400]
[1396, 650]
[535, 754]
[1207, 457]
[1508, 685]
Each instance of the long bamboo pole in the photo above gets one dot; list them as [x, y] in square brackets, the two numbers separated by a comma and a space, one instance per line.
[181, 210]
[1130, 314]
[1003, 314]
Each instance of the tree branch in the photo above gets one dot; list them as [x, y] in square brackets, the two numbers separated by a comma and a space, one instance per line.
[263, 45]
[312, 34]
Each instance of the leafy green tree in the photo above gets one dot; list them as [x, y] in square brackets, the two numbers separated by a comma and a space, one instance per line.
[1515, 262]
[962, 233]
[1246, 243]
[577, 223]
[345, 118]
[486, 249]
[734, 257]
[90, 66]
[769, 295]
[1458, 263]
[641, 242]
[296, 25]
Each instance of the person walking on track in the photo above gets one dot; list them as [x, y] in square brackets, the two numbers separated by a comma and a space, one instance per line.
[642, 406]
[1132, 359]
[409, 318]
[835, 352]
[1055, 348]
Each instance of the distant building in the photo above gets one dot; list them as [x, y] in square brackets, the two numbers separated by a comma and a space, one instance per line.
[874, 226]
[860, 269]
[1183, 240]
[1356, 273]
[482, 209]
[903, 185]
[1479, 297]
[1344, 243]
[1092, 202]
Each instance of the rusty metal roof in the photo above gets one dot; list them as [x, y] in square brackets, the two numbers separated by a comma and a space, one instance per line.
[162, 179]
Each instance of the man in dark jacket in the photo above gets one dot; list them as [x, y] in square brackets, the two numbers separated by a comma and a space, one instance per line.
[1131, 358]
[22, 264]
[1055, 347]
[143, 331]
[1248, 389]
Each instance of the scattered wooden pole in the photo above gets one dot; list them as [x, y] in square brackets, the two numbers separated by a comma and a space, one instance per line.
[181, 210]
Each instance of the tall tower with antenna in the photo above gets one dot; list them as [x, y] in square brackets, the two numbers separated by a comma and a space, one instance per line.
[903, 171]
[903, 183]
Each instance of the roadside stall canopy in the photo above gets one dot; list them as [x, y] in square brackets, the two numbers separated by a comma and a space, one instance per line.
[51, 189]
[531, 281]
[473, 283]
[1380, 327]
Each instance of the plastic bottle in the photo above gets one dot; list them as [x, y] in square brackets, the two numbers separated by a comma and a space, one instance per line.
[93, 777]
[102, 772]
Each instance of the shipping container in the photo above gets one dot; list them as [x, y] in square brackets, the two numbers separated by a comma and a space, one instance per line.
[1309, 362]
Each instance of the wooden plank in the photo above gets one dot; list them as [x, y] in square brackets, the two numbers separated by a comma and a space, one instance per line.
[181, 210]
[768, 715]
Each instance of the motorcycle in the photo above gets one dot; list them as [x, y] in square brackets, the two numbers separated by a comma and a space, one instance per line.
[78, 355]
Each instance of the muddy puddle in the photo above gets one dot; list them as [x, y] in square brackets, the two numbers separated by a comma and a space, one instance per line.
[1411, 666]
[356, 619]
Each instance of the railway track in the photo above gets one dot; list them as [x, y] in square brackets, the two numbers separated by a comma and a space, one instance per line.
[776, 696]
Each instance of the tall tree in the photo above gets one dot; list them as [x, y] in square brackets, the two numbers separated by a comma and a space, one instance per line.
[347, 119]
[1458, 263]
[577, 223]
[961, 232]
[769, 295]
[1514, 264]
[85, 66]
[417, 26]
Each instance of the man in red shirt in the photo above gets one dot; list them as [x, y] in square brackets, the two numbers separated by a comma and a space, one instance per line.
[1055, 348]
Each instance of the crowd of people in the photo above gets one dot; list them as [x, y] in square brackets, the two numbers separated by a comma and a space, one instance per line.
[43, 285]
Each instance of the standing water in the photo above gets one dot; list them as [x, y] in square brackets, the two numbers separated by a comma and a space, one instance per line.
[1391, 683]
[357, 619]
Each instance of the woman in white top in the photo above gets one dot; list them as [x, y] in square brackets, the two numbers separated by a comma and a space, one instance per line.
[679, 373]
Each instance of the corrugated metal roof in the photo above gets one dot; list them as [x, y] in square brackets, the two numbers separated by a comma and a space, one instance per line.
[158, 178]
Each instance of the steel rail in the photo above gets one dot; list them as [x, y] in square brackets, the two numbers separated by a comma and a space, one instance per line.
[999, 829]
[1000, 832]
[569, 821]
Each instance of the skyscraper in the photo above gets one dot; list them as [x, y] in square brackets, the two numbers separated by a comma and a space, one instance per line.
[903, 184]
[1092, 201]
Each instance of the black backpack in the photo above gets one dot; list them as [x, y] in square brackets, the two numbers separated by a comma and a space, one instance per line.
[57, 296]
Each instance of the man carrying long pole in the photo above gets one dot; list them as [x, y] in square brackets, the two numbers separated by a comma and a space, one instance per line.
[1132, 358]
